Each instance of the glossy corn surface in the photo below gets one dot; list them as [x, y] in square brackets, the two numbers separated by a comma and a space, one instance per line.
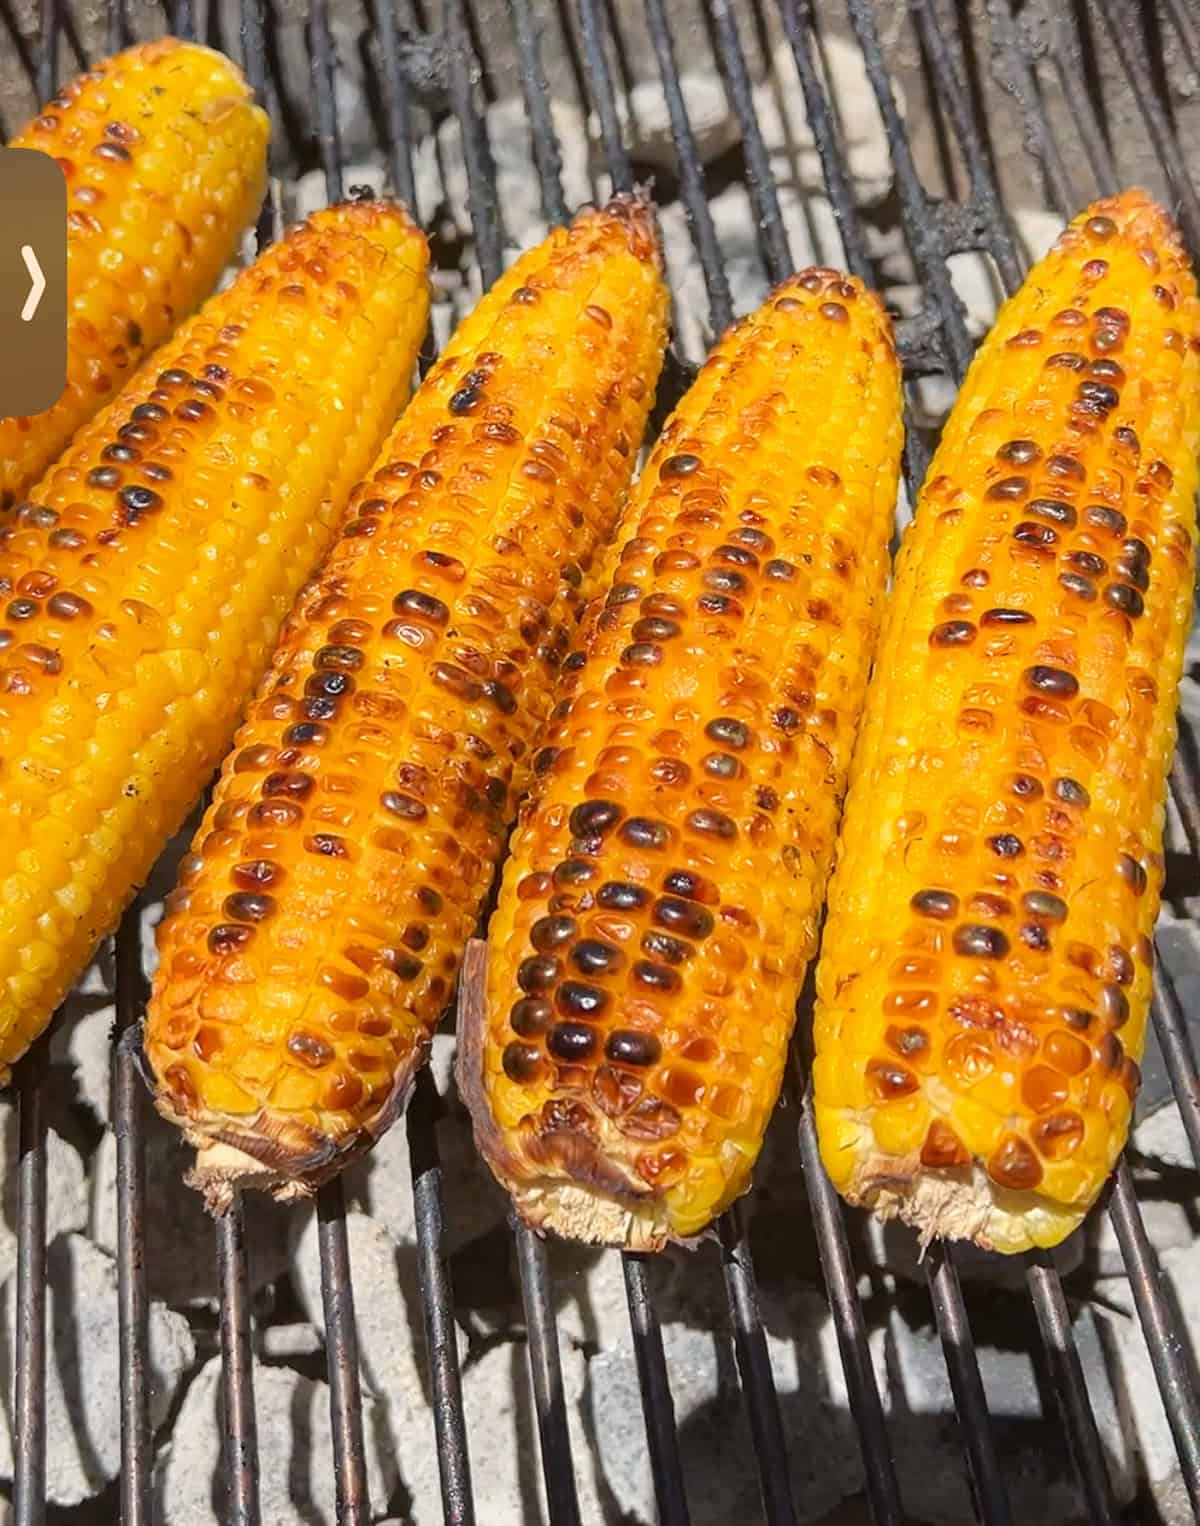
[986, 967]
[146, 578]
[661, 900]
[165, 158]
[318, 929]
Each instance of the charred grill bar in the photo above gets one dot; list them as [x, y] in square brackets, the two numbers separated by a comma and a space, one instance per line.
[938, 339]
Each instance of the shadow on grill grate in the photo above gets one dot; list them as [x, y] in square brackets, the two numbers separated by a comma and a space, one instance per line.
[1080, 96]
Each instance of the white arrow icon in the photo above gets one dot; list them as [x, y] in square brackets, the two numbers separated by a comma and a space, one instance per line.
[39, 283]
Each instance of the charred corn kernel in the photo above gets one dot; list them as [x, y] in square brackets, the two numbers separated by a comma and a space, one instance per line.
[165, 158]
[354, 834]
[143, 583]
[988, 941]
[662, 896]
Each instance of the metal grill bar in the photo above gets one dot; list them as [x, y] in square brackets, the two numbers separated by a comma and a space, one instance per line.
[545, 1370]
[861, 1386]
[239, 1422]
[1083, 1437]
[985, 202]
[1023, 86]
[396, 108]
[921, 223]
[760, 182]
[1067, 53]
[600, 88]
[341, 1348]
[658, 1409]
[797, 19]
[966, 1383]
[321, 56]
[1124, 27]
[29, 1409]
[691, 172]
[1170, 1028]
[481, 181]
[1184, 21]
[547, 156]
[1169, 1355]
[133, 1304]
[754, 1369]
[437, 1304]
[47, 73]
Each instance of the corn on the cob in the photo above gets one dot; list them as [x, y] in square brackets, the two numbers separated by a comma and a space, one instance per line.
[147, 578]
[319, 925]
[662, 897]
[165, 157]
[986, 972]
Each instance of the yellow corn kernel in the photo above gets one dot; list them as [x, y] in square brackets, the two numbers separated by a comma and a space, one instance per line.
[165, 158]
[356, 828]
[1016, 744]
[661, 900]
[124, 661]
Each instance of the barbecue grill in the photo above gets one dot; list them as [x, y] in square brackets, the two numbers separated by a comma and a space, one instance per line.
[1040, 66]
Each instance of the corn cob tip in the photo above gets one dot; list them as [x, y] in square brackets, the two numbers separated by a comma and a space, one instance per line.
[603, 1205]
[1131, 214]
[221, 1172]
[373, 217]
[633, 211]
[835, 284]
[276, 1154]
[962, 1204]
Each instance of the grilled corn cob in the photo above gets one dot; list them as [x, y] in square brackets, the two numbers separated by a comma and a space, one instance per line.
[662, 897]
[318, 928]
[986, 971]
[147, 577]
[165, 157]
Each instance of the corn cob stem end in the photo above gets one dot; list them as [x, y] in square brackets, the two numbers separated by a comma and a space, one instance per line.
[603, 1208]
[962, 1204]
[221, 1171]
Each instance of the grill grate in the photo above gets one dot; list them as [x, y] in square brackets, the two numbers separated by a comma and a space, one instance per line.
[937, 340]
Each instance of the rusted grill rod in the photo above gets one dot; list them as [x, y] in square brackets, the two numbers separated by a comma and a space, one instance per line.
[1170, 1027]
[691, 171]
[341, 1353]
[1124, 23]
[133, 1305]
[437, 1305]
[321, 58]
[1083, 1435]
[545, 1368]
[595, 61]
[1170, 1356]
[482, 203]
[966, 1383]
[797, 19]
[861, 1386]
[547, 155]
[239, 1423]
[764, 195]
[754, 1369]
[29, 1417]
[658, 1409]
